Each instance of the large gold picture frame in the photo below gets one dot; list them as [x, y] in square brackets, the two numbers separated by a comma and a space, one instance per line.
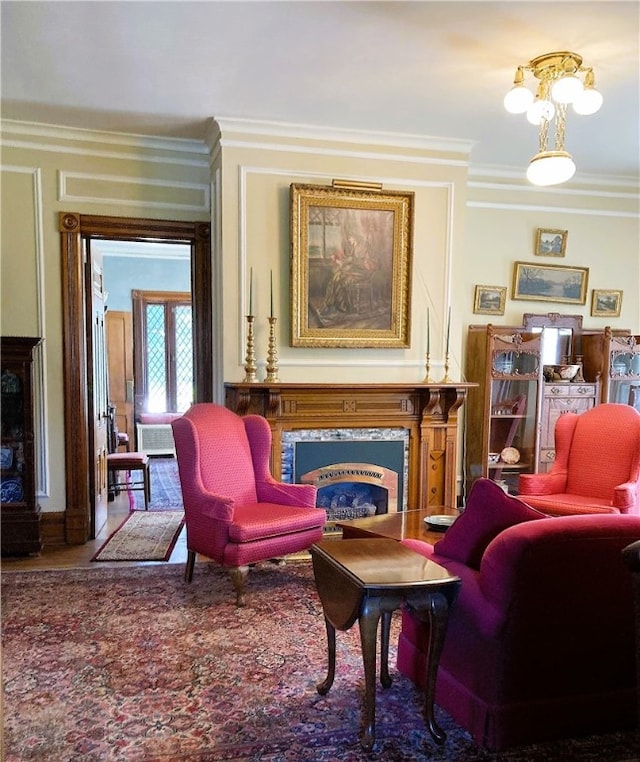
[350, 266]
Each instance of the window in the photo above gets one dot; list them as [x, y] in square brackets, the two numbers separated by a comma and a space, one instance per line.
[163, 351]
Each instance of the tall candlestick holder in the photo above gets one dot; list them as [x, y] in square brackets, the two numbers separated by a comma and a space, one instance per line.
[250, 366]
[272, 354]
[446, 379]
[427, 379]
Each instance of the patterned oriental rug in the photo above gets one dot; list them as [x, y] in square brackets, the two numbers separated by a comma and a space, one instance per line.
[143, 536]
[135, 665]
[166, 494]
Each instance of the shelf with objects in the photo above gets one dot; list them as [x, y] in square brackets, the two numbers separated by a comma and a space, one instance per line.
[529, 375]
[19, 511]
[615, 356]
[502, 414]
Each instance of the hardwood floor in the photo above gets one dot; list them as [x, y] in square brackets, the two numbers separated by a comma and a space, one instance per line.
[77, 556]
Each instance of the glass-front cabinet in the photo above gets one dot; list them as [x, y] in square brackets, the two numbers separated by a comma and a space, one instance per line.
[19, 512]
[502, 413]
[622, 369]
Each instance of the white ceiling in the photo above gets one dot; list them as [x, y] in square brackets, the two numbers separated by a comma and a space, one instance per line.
[425, 68]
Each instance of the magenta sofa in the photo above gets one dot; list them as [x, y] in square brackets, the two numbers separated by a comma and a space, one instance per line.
[540, 643]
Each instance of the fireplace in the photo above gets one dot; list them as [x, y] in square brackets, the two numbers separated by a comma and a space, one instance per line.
[419, 419]
[358, 472]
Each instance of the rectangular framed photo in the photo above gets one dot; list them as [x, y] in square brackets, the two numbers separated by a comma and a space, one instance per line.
[351, 254]
[550, 243]
[489, 300]
[550, 283]
[606, 302]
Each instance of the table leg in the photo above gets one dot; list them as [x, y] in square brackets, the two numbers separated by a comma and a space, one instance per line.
[385, 678]
[324, 686]
[437, 615]
[368, 620]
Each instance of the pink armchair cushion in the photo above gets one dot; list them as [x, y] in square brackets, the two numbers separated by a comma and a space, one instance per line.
[259, 521]
[597, 466]
[488, 512]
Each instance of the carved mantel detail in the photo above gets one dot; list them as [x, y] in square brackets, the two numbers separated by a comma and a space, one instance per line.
[428, 411]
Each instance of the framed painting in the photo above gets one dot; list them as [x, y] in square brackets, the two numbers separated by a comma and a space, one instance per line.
[606, 302]
[550, 283]
[351, 255]
[550, 243]
[489, 300]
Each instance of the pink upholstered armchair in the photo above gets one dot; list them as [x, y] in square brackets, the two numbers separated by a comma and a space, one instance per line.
[597, 465]
[235, 512]
[540, 643]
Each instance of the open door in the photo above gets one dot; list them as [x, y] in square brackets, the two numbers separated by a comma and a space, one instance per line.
[98, 402]
[75, 230]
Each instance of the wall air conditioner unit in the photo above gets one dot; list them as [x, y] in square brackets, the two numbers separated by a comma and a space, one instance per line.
[155, 438]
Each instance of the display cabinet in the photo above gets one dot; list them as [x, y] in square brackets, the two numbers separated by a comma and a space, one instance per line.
[557, 399]
[615, 355]
[503, 411]
[19, 511]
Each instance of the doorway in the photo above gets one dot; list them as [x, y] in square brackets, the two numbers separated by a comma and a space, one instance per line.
[77, 232]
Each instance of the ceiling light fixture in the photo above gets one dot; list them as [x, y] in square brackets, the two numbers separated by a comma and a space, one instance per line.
[559, 86]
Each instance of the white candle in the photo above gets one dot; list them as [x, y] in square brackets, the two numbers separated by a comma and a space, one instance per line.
[271, 293]
[448, 330]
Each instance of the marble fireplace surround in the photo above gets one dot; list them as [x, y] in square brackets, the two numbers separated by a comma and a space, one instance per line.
[428, 413]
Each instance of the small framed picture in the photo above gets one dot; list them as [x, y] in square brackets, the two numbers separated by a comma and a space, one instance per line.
[489, 300]
[606, 303]
[550, 243]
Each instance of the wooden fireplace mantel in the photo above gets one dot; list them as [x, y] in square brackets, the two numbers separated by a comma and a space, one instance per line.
[428, 411]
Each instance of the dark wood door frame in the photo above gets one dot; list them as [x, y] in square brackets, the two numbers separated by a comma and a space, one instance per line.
[73, 229]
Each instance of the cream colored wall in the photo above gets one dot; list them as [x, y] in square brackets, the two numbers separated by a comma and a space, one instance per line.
[602, 221]
[469, 229]
[48, 170]
[257, 170]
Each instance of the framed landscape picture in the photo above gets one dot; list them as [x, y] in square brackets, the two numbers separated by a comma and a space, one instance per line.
[550, 243]
[606, 302]
[550, 283]
[351, 253]
[489, 300]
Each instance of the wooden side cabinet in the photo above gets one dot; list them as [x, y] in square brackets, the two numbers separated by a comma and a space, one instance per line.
[558, 399]
[19, 511]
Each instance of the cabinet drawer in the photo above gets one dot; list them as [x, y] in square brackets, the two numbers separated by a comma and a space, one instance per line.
[570, 390]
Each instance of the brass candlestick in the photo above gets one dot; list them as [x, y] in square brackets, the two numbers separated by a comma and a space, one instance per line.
[250, 366]
[446, 379]
[272, 354]
[427, 379]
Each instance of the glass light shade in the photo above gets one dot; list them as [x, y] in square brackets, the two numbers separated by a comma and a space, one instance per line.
[551, 168]
[566, 89]
[539, 110]
[588, 102]
[518, 99]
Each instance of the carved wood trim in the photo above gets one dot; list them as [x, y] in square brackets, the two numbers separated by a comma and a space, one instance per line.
[428, 411]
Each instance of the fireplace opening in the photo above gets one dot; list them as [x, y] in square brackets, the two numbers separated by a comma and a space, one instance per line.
[354, 490]
[358, 472]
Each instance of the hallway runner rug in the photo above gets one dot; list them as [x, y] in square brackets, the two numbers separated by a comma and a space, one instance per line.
[166, 494]
[131, 664]
[143, 536]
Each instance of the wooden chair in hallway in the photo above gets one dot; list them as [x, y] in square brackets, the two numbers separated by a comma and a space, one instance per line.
[126, 462]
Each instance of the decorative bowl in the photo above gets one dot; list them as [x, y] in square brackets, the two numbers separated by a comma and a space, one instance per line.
[440, 522]
[560, 372]
[494, 457]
